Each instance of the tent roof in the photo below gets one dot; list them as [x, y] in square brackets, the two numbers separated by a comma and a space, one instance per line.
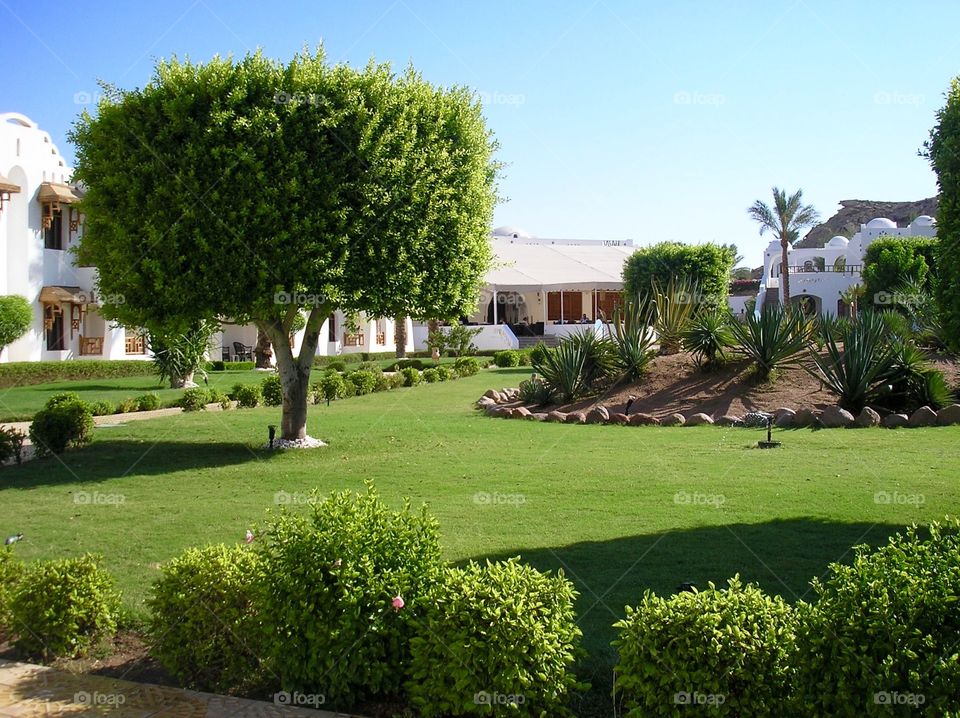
[553, 267]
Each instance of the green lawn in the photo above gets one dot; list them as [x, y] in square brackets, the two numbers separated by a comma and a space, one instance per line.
[20, 403]
[620, 509]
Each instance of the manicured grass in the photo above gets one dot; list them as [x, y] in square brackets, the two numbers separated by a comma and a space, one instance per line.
[620, 509]
[20, 403]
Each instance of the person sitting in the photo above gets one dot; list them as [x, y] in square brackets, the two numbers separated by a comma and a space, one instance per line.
[584, 319]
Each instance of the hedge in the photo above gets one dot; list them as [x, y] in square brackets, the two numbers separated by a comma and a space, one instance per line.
[42, 372]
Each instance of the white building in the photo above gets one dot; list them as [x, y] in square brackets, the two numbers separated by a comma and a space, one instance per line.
[820, 276]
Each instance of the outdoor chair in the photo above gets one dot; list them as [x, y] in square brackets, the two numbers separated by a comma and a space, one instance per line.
[242, 352]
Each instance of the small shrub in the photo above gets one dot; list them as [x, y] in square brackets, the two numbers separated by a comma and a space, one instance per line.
[148, 402]
[331, 584]
[411, 377]
[371, 366]
[330, 386]
[217, 365]
[730, 645]
[203, 618]
[363, 381]
[466, 366]
[402, 364]
[443, 373]
[430, 375]
[44, 372]
[535, 391]
[11, 570]
[397, 380]
[337, 365]
[538, 352]
[506, 358]
[67, 604]
[886, 625]
[247, 396]
[129, 405]
[384, 382]
[218, 397]
[11, 444]
[194, 399]
[102, 408]
[271, 388]
[239, 365]
[502, 629]
[63, 423]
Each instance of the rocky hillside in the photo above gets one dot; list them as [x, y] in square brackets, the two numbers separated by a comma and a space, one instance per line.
[855, 212]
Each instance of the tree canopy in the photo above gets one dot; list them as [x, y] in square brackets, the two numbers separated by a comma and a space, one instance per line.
[16, 316]
[251, 189]
[893, 262]
[706, 266]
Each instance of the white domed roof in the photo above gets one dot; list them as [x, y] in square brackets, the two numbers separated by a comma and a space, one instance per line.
[838, 242]
[924, 220]
[510, 231]
[881, 223]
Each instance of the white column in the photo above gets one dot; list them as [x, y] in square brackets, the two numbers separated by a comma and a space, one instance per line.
[561, 306]
[495, 307]
[543, 295]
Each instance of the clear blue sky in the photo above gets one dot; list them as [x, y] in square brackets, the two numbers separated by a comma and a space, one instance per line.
[643, 120]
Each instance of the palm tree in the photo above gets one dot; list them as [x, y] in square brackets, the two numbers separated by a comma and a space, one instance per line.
[785, 220]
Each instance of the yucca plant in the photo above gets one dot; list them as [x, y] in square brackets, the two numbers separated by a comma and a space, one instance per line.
[675, 303]
[633, 338]
[774, 339]
[178, 354]
[827, 326]
[911, 380]
[600, 359]
[924, 314]
[535, 391]
[859, 373]
[707, 335]
[562, 371]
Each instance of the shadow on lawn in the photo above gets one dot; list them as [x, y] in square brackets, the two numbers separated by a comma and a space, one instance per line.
[113, 458]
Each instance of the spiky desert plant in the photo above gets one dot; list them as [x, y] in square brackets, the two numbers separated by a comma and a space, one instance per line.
[707, 335]
[773, 339]
[675, 304]
[633, 338]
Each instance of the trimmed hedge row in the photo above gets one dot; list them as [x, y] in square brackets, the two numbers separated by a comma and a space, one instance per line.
[44, 372]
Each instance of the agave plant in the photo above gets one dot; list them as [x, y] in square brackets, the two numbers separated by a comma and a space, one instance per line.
[827, 326]
[535, 391]
[675, 303]
[633, 339]
[562, 370]
[178, 354]
[707, 335]
[774, 339]
[921, 308]
[859, 373]
[600, 359]
[912, 381]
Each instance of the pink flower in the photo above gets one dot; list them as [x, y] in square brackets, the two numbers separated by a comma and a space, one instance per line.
[336, 564]
[397, 602]
[249, 536]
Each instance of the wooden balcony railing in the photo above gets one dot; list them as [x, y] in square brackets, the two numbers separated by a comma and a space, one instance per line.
[135, 345]
[353, 340]
[91, 346]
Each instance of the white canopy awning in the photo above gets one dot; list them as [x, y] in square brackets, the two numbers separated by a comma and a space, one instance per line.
[556, 267]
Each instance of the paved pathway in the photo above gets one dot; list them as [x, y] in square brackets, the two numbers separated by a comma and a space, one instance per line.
[27, 691]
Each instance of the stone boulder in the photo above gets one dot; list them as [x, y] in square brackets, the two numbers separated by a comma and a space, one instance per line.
[538, 416]
[807, 417]
[758, 419]
[490, 394]
[728, 420]
[894, 421]
[520, 412]
[699, 419]
[618, 418]
[833, 417]
[924, 416]
[642, 419]
[598, 415]
[493, 410]
[785, 418]
[673, 420]
[576, 417]
[949, 415]
[867, 418]
[557, 417]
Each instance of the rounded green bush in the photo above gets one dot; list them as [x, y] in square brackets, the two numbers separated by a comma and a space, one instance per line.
[364, 382]
[337, 365]
[148, 402]
[411, 377]
[430, 375]
[11, 571]
[384, 382]
[66, 423]
[501, 636]
[63, 397]
[725, 651]
[466, 366]
[194, 399]
[203, 624]
[443, 373]
[218, 397]
[882, 635]
[129, 405]
[329, 387]
[343, 589]
[506, 358]
[272, 390]
[16, 316]
[247, 396]
[60, 608]
[102, 408]
[539, 353]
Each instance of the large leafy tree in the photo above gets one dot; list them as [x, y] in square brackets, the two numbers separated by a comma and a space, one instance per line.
[704, 266]
[893, 262]
[784, 220]
[943, 151]
[253, 190]
[16, 316]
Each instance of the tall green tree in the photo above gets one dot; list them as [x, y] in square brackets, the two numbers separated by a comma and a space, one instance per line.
[704, 266]
[253, 190]
[16, 316]
[892, 262]
[943, 151]
[784, 220]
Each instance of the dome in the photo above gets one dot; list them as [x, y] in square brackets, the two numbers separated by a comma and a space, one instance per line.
[514, 232]
[924, 220]
[881, 223]
[838, 242]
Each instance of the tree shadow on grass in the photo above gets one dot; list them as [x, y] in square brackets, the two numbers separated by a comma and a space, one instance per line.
[108, 459]
[781, 556]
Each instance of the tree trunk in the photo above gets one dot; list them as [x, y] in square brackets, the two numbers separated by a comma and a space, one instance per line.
[400, 335]
[263, 352]
[295, 371]
[785, 273]
[182, 382]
